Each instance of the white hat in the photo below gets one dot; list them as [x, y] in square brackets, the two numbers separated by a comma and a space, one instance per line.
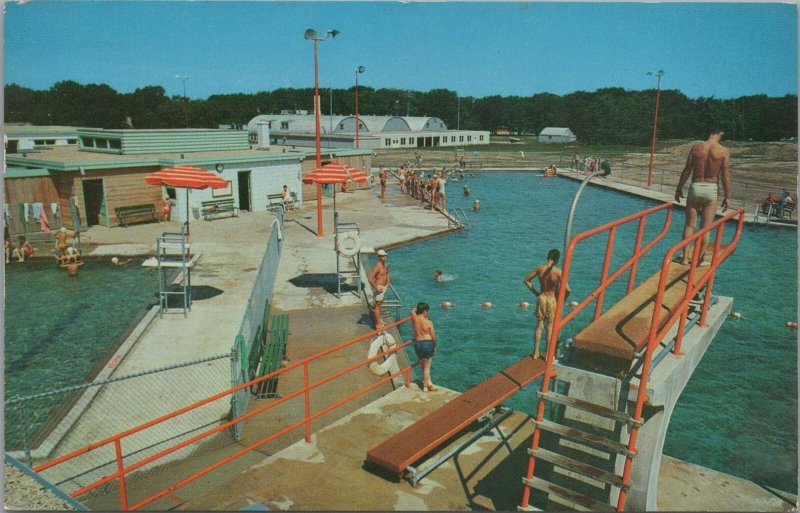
[114, 260]
[382, 253]
[63, 230]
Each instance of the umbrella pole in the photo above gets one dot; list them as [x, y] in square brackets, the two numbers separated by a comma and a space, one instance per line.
[319, 210]
[187, 213]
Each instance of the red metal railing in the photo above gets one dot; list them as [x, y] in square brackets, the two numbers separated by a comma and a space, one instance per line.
[679, 314]
[597, 294]
[116, 440]
[655, 336]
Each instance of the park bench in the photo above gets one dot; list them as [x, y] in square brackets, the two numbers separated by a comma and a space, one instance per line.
[276, 200]
[140, 213]
[774, 211]
[273, 354]
[211, 208]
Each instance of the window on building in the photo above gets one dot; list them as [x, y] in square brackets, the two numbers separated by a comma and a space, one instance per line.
[88, 142]
[469, 138]
[115, 144]
[460, 138]
[403, 141]
[72, 141]
[480, 137]
[341, 126]
[452, 138]
[284, 125]
[38, 142]
[411, 140]
[387, 142]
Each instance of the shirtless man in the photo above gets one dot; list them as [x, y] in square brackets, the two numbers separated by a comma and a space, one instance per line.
[549, 280]
[379, 281]
[707, 162]
[424, 343]
[382, 176]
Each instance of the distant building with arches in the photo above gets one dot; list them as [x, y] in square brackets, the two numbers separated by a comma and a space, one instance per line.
[298, 128]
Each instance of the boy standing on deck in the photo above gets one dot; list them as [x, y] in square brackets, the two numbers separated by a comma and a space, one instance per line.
[549, 280]
[424, 343]
[379, 281]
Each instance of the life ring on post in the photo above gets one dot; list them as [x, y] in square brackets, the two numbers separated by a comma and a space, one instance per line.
[348, 243]
[381, 344]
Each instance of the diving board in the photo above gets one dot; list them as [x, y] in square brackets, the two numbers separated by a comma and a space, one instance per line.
[609, 343]
[402, 450]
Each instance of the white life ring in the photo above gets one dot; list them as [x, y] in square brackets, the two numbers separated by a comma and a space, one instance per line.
[381, 344]
[348, 243]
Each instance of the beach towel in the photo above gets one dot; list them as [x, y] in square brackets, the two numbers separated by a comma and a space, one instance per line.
[7, 210]
[26, 214]
[54, 208]
[43, 224]
[36, 208]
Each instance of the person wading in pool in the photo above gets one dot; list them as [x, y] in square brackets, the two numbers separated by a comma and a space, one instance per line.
[707, 162]
[549, 280]
[424, 343]
[379, 281]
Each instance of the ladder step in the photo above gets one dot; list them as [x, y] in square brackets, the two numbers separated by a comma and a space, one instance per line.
[596, 409]
[577, 500]
[583, 437]
[581, 468]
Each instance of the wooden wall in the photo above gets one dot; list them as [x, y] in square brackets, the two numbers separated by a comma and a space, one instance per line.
[123, 187]
[30, 190]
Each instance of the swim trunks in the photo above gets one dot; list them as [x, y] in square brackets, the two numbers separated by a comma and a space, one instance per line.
[546, 307]
[702, 193]
[380, 295]
[423, 348]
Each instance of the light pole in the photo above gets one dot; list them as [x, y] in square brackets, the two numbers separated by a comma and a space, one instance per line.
[658, 73]
[458, 115]
[183, 79]
[359, 70]
[316, 38]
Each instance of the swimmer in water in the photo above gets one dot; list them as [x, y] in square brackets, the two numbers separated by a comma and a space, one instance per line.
[438, 276]
[476, 205]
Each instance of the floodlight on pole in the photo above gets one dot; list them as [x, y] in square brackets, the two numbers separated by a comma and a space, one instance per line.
[183, 79]
[316, 38]
[359, 70]
[658, 74]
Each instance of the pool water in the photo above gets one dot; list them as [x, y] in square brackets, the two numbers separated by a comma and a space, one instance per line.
[56, 328]
[738, 414]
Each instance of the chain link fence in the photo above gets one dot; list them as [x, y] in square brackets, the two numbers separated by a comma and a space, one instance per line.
[254, 323]
[45, 426]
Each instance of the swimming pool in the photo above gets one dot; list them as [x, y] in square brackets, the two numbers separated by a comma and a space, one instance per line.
[56, 328]
[738, 414]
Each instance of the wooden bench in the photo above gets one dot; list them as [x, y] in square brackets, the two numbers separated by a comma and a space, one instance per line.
[141, 213]
[407, 447]
[211, 208]
[610, 343]
[274, 354]
[276, 200]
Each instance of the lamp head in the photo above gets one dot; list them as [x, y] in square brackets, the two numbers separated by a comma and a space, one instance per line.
[333, 33]
[361, 69]
[310, 34]
[656, 73]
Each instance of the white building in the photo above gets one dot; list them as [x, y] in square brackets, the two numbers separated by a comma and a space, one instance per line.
[299, 129]
[556, 135]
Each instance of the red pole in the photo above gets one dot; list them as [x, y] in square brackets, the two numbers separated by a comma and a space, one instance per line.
[357, 109]
[319, 156]
[653, 144]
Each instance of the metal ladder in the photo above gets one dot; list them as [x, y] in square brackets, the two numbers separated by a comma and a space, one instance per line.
[166, 246]
[457, 218]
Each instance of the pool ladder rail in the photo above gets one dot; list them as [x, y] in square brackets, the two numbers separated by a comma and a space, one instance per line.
[456, 218]
[172, 252]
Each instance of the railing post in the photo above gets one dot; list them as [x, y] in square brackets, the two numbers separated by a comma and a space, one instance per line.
[123, 494]
[713, 272]
[598, 308]
[407, 377]
[639, 235]
[307, 399]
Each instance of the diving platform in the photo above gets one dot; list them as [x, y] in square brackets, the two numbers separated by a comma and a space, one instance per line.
[421, 438]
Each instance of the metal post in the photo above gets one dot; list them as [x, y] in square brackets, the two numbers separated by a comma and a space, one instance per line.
[658, 73]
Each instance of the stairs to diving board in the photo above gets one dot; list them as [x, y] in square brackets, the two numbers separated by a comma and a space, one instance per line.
[400, 452]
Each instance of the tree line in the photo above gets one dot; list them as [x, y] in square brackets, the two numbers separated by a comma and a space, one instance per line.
[606, 116]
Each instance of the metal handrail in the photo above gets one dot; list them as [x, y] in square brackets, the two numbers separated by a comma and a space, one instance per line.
[116, 440]
[679, 314]
[597, 294]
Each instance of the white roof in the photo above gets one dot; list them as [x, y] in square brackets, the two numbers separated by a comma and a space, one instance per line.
[552, 130]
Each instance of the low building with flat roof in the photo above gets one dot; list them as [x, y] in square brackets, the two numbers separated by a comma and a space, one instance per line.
[105, 170]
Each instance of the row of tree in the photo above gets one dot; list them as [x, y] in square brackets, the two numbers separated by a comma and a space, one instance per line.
[610, 116]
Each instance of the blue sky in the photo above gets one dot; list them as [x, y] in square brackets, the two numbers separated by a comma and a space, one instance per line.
[723, 50]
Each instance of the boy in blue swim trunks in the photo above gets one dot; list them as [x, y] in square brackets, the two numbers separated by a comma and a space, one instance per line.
[424, 343]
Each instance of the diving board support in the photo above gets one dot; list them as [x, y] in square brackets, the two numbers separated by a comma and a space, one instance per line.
[489, 420]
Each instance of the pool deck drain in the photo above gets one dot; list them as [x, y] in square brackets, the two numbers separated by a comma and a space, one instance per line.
[232, 250]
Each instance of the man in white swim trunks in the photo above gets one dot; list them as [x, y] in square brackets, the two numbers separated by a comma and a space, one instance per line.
[379, 281]
[707, 163]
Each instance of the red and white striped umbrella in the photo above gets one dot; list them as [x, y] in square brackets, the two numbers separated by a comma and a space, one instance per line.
[335, 172]
[186, 177]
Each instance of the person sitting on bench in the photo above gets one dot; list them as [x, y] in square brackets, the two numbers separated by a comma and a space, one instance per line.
[286, 196]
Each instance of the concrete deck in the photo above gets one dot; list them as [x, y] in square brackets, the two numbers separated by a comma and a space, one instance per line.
[329, 473]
